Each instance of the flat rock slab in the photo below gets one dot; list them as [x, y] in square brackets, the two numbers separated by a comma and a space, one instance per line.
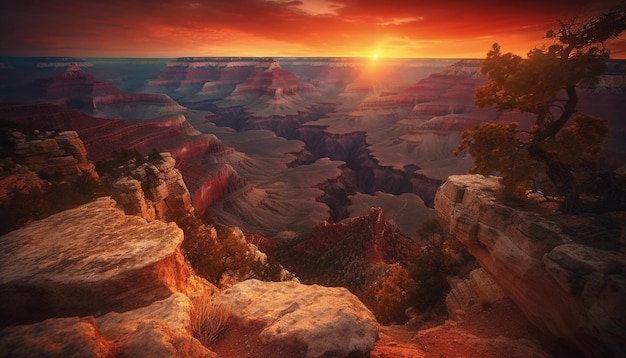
[327, 321]
[161, 329]
[89, 260]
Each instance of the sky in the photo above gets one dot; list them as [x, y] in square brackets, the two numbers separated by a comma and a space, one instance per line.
[284, 28]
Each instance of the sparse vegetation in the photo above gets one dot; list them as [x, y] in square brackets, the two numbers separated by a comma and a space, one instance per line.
[118, 164]
[217, 251]
[209, 320]
[394, 297]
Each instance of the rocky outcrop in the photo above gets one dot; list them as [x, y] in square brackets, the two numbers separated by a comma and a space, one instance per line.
[325, 321]
[158, 330]
[88, 260]
[15, 178]
[161, 329]
[153, 190]
[478, 288]
[356, 255]
[100, 136]
[566, 288]
[56, 337]
[60, 156]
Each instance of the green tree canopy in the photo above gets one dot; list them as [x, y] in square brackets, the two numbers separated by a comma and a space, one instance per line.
[563, 144]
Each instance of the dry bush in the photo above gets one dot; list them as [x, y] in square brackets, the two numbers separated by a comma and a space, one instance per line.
[209, 320]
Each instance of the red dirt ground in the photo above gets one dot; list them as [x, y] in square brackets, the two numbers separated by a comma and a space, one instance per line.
[454, 339]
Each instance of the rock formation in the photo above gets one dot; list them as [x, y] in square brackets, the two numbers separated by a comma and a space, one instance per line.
[88, 260]
[478, 288]
[566, 287]
[56, 337]
[153, 190]
[356, 255]
[60, 156]
[158, 330]
[15, 178]
[325, 321]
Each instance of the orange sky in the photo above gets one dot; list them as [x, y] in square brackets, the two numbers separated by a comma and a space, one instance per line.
[283, 28]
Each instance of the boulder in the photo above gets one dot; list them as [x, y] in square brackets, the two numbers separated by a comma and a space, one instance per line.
[159, 330]
[327, 321]
[56, 337]
[88, 260]
[567, 289]
[162, 329]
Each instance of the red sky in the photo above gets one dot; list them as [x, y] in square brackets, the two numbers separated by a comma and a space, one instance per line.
[284, 28]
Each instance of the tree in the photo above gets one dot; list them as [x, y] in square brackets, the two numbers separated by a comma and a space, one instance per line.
[545, 84]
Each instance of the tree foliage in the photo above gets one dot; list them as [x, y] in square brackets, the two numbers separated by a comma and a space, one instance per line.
[563, 144]
[214, 252]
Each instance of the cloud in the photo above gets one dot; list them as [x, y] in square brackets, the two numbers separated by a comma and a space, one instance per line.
[311, 27]
[398, 21]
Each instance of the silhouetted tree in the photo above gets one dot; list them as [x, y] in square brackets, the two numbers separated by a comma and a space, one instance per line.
[545, 84]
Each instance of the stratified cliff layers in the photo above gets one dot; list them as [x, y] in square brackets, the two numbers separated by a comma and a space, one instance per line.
[570, 285]
[277, 145]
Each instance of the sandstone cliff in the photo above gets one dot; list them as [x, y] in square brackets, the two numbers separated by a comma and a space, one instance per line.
[53, 155]
[153, 190]
[568, 289]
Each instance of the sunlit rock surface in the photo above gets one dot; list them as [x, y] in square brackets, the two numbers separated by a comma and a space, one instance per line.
[86, 260]
[566, 288]
[154, 190]
[328, 321]
[56, 337]
[54, 155]
[161, 329]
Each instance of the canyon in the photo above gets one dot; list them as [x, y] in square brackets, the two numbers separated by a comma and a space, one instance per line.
[285, 143]
[329, 165]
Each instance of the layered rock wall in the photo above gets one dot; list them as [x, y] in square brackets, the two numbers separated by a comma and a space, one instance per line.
[54, 155]
[154, 190]
[568, 290]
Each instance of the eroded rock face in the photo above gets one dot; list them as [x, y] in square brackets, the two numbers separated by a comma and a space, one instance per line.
[56, 337]
[565, 288]
[327, 321]
[161, 329]
[154, 190]
[55, 155]
[479, 287]
[87, 260]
